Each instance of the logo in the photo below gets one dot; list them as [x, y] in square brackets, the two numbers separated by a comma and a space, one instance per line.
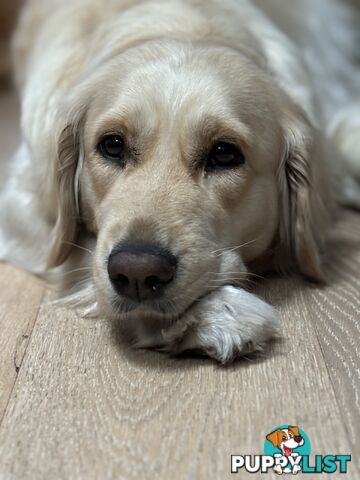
[287, 451]
[288, 445]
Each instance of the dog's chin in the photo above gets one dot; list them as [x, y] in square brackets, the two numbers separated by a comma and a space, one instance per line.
[142, 324]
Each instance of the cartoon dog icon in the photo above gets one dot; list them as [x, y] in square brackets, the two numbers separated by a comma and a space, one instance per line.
[286, 439]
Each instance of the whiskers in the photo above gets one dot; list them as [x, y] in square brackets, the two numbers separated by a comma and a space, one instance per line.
[82, 298]
[80, 247]
[222, 251]
[240, 275]
[77, 270]
[211, 281]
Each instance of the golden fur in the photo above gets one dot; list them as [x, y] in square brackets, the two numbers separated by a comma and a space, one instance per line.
[173, 78]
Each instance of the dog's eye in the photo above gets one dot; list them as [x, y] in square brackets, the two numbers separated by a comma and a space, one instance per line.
[224, 155]
[111, 147]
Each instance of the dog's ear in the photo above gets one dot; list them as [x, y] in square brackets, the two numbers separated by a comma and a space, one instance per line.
[302, 208]
[295, 431]
[274, 438]
[66, 189]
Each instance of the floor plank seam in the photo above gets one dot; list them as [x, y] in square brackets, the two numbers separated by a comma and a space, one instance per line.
[18, 358]
[17, 364]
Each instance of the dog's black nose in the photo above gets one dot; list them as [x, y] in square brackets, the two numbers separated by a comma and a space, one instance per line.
[141, 272]
[298, 439]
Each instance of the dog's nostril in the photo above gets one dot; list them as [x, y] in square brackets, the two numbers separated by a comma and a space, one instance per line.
[156, 283]
[120, 280]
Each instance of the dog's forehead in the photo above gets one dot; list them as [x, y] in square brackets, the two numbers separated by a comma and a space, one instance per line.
[171, 102]
[178, 81]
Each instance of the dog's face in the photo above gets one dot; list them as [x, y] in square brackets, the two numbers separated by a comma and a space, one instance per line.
[286, 439]
[180, 155]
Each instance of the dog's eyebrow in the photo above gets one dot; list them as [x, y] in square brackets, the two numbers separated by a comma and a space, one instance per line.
[110, 124]
[128, 124]
[204, 132]
[212, 128]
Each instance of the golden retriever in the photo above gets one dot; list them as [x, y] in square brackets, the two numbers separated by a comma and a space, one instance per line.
[171, 148]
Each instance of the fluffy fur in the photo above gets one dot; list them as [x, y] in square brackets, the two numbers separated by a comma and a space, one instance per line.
[275, 77]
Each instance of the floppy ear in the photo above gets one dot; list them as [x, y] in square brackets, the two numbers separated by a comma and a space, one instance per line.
[295, 431]
[302, 207]
[274, 438]
[66, 186]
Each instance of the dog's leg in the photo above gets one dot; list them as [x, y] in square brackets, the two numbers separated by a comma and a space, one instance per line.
[225, 324]
[296, 469]
[278, 470]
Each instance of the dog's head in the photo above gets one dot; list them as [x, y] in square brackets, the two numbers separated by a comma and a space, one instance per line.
[286, 439]
[187, 163]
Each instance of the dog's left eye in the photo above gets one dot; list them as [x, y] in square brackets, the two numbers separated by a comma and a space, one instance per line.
[112, 147]
[224, 155]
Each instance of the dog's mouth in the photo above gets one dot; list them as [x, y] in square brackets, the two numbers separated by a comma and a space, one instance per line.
[164, 310]
[287, 451]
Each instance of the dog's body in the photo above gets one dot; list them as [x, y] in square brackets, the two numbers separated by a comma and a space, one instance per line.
[234, 128]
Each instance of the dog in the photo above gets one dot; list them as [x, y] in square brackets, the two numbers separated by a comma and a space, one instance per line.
[172, 149]
[286, 440]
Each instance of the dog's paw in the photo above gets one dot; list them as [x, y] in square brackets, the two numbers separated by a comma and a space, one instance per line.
[225, 324]
[278, 470]
[296, 469]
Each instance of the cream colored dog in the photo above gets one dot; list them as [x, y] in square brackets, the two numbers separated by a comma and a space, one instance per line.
[180, 145]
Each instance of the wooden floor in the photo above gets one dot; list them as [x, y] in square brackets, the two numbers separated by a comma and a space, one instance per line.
[76, 403]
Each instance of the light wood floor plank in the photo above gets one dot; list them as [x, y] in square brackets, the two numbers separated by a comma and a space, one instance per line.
[87, 407]
[20, 297]
[335, 312]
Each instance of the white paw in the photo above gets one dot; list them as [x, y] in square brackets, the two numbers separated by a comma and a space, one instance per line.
[296, 469]
[225, 324]
[278, 470]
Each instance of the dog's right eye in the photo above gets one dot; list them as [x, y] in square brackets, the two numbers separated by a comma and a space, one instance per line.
[224, 156]
[112, 148]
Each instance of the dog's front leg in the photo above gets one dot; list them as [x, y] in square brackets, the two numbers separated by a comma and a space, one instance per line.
[225, 324]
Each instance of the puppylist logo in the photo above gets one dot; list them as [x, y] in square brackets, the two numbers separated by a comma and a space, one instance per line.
[287, 450]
